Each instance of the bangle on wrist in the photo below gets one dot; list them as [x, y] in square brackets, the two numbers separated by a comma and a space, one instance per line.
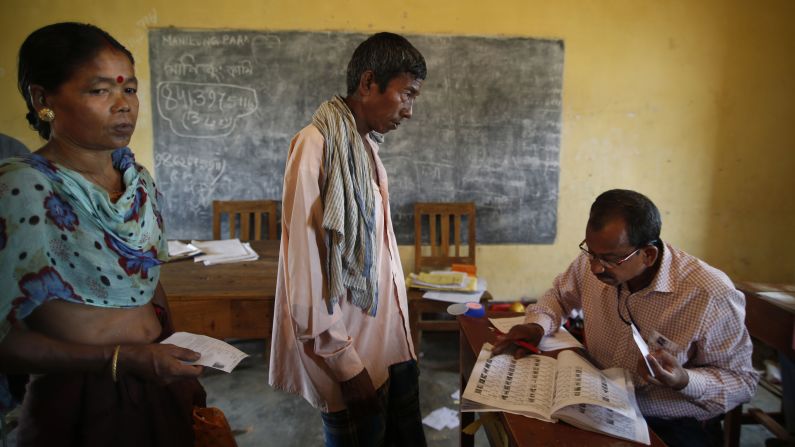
[114, 363]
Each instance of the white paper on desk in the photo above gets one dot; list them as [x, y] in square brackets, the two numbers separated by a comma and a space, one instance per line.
[441, 418]
[251, 255]
[177, 248]
[781, 298]
[215, 353]
[761, 286]
[562, 339]
[224, 247]
[224, 251]
[458, 297]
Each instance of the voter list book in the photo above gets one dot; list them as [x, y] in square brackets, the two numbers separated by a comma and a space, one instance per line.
[568, 388]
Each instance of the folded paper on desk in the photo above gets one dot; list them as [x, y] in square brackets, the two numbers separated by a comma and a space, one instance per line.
[562, 339]
[179, 250]
[567, 388]
[224, 251]
[215, 353]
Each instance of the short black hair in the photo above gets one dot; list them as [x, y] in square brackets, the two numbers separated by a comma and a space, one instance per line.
[640, 215]
[387, 55]
[51, 54]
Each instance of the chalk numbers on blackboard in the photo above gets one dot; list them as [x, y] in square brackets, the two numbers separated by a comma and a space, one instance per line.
[203, 110]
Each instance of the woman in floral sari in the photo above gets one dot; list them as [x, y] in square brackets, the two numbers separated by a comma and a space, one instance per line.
[81, 242]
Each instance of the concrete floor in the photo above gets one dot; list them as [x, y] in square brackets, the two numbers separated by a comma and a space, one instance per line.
[261, 416]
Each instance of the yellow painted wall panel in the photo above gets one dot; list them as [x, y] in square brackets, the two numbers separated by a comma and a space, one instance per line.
[691, 103]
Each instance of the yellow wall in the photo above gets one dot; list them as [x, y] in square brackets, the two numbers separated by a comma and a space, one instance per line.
[690, 102]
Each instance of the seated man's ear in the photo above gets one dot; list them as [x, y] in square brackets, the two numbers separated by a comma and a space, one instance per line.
[650, 254]
[367, 83]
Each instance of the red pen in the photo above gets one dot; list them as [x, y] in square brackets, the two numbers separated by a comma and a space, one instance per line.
[529, 346]
[521, 343]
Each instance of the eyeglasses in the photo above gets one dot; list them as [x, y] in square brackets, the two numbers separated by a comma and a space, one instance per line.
[604, 262]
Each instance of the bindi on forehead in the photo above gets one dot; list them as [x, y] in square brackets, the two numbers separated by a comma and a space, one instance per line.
[119, 79]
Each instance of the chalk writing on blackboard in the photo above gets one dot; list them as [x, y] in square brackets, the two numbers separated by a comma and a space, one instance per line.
[197, 110]
[486, 127]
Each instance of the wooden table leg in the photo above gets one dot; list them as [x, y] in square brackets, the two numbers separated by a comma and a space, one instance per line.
[465, 368]
[731, 427]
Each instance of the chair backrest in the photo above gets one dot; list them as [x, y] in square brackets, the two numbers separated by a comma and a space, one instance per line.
[445, 245]
[249, 211]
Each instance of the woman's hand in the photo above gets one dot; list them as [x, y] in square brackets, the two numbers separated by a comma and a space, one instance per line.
[159, 362]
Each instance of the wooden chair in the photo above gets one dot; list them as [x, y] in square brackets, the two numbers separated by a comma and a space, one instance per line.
[248, 211]
[445, 224]
[445, 246]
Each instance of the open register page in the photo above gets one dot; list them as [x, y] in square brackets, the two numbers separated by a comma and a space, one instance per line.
[569, 388]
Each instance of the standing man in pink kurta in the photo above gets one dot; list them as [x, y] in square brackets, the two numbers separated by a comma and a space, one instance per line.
[341, 335]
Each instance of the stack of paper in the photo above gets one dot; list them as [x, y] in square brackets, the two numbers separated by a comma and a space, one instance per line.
[224, 251]
[177, 249]
[443, 281]
[458, 297]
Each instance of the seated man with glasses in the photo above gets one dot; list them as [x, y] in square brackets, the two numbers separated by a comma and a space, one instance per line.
[689, 313]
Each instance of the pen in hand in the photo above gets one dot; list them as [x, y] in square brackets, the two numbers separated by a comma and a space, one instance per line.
[529, 346]
[521, 343]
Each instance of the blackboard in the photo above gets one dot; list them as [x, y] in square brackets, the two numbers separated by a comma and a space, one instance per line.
[486, 127]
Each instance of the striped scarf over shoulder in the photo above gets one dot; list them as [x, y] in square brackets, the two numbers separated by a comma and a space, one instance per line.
[348, 208]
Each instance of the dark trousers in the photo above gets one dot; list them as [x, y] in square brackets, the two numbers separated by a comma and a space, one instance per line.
[688, 432]
[399, 425]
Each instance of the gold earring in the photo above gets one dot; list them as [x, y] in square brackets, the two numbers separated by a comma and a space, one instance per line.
[47, 115]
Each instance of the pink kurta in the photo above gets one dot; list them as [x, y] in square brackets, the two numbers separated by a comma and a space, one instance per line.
[312, 350]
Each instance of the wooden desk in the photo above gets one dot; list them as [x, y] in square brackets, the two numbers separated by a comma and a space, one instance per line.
[522, 431]
[771, 323]
[419, 306]
[224, 300]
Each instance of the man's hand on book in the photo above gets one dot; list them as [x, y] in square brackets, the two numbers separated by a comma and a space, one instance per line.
[360, 395]
[530, 333]
[668, 371]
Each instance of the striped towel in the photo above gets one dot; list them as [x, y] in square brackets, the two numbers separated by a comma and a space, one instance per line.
[348, 208]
